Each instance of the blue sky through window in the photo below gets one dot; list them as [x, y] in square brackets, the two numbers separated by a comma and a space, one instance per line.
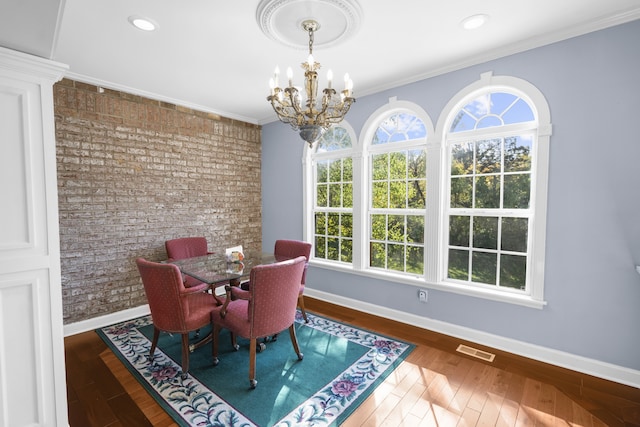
[399, 127]
[492, 110]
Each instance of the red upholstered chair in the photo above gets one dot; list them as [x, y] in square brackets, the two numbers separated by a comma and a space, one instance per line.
[186, 247]
[288, 249]
[291, 249]
[174, 308]
[266, 308]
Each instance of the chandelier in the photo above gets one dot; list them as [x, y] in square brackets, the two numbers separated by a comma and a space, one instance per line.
[305, 113]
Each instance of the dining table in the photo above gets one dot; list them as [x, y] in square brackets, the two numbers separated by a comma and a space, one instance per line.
[219, 270]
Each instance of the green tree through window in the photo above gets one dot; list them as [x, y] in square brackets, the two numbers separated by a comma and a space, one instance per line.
[398, 194]
[489, 212]
[333, 207]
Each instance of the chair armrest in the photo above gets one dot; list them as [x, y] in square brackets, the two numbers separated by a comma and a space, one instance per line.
[233, 293]
[223, 309]
[238, 293]
[202, 287]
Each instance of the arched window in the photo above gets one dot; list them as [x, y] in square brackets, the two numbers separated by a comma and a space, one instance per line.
[333, 195]
[396, 189]
[496, 145]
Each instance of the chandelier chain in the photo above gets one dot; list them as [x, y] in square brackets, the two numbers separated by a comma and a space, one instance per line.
[310, 40]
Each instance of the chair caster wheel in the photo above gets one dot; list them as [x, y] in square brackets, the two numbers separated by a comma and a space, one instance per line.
[191, 348]
[183, 376]
[300, 356]
[236, 347]
[261, 347]
[253, 384]
[216, 361]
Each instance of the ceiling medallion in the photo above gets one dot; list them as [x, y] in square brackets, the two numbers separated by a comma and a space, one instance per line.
[281, 20]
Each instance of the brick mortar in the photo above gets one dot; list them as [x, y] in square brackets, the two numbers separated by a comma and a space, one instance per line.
[134, 172]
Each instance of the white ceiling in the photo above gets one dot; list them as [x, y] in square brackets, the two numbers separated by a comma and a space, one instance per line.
[212, 55]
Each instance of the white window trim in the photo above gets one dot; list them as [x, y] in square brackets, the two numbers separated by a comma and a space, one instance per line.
[435, 270]
[309, 160]
[369, 129]
[535, 98]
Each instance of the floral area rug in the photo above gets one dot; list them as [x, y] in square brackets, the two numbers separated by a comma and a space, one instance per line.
[342, 365]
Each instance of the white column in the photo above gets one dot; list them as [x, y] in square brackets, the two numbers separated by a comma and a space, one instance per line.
[32, 369]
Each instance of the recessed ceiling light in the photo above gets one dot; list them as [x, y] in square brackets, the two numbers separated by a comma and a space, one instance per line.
[474, 21]
[141, 23]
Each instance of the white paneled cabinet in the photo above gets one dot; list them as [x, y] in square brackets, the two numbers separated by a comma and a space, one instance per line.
[32, 370]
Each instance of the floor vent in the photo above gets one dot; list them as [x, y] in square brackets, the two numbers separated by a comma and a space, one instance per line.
[474, 352]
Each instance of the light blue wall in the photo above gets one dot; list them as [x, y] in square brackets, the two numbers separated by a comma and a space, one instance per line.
[592, 85]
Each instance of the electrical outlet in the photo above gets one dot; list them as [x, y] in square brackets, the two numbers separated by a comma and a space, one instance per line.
[422, 295]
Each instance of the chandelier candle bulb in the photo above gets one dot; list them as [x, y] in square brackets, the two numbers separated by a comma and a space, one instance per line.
[290, 76]
[329, 78]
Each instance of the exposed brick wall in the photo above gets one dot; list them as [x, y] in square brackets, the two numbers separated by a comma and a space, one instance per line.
[134, 172]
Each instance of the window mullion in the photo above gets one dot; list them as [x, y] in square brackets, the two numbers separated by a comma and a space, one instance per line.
[434, 221]
[360, 227]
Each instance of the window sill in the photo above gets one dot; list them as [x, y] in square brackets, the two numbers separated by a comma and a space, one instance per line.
[509, 298]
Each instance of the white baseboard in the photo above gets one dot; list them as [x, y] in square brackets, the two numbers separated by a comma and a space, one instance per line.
[109, 319]
[582, 364]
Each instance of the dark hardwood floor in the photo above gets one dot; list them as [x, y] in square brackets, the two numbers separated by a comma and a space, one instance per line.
[434, 386]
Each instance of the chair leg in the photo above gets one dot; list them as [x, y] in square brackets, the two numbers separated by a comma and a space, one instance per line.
[154, 342]
[215, 335]
[294, 341]
[185, 355]
[234, 342]
[301, 305]
[263, 344]
[252, 363]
